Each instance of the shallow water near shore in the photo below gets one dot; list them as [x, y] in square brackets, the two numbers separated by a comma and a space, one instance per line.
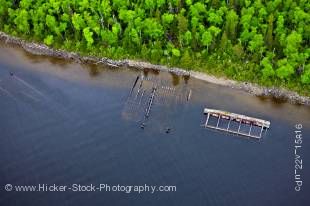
[61, 123]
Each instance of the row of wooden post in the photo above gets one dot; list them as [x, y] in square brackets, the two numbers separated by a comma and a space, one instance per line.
[227, 129]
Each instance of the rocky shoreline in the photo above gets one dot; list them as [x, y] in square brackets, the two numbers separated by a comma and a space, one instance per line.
[41, 49]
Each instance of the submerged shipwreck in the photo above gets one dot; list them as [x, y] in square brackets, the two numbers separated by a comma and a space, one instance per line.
[246, 126]
[153, 96]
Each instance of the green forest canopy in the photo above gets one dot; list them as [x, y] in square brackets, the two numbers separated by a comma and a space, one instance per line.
[251, 40]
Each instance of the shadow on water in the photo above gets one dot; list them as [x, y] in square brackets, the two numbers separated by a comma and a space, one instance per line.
[146, 72]
[154, 72]
[175, 79]
[93, 70]
[37, 59]
[186, 78]
[278, 102]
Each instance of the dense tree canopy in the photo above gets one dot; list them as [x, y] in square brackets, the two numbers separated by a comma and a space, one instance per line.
[255, 40]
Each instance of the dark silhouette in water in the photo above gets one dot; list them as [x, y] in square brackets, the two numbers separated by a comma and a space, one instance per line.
[168, 130]
[11, 73]
[142, 125]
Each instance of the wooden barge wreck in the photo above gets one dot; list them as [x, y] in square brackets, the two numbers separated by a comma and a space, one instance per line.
[241, 119]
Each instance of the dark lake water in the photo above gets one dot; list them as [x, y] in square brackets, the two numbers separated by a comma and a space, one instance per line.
[63, 123]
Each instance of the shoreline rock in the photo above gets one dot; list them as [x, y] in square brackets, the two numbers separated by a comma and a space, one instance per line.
[256, 90]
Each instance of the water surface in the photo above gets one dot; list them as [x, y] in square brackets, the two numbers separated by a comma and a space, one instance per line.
[61, 123]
